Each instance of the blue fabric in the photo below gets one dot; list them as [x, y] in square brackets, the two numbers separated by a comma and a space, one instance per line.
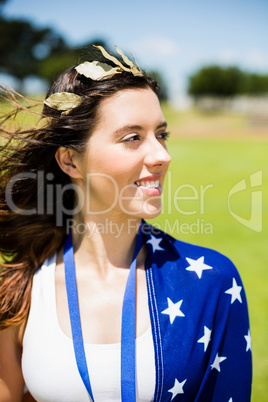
[199, 322]
[200, 325]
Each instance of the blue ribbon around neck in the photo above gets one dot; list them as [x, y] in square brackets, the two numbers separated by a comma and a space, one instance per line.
[128, 372]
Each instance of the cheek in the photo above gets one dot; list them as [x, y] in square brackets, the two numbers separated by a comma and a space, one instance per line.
[117, 164]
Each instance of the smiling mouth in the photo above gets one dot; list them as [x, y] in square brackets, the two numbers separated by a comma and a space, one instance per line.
[148, 184]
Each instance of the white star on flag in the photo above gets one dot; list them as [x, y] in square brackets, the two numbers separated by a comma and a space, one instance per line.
[248, 340]
[235, 292]
[155, 243]
[198, 266]
[173, 310]
[177, 389]
[206, 338]
[217, 361]
[230, 400]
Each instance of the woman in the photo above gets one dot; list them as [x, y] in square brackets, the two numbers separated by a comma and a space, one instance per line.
[154, 318]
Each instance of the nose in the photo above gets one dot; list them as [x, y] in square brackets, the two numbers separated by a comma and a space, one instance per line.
[156, 153]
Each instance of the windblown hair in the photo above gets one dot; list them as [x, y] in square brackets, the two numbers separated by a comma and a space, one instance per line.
[29, 235]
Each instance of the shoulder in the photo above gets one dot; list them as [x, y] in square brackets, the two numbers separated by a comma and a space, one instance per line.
[202, 277]
[174, 254]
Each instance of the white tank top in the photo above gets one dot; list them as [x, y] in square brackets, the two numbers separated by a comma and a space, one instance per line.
[48, 361]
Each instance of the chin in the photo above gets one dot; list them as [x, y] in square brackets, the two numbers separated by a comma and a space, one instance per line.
[148, 217]
[144, 211]
[152, 211]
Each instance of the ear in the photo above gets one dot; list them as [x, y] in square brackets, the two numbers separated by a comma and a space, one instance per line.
[67, 161]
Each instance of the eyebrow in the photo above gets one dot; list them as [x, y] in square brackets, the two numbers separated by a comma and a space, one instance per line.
[123, 129]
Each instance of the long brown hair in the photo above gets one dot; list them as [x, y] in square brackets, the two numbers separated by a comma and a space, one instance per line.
[30, 233]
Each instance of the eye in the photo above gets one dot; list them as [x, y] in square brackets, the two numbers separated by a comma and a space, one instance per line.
[163, 136]
[132, 138]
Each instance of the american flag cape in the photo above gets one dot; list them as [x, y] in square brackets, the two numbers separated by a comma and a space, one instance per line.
[200, 323]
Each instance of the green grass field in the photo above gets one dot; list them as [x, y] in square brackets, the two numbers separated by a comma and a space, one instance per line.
[210, 155]
[205, 168]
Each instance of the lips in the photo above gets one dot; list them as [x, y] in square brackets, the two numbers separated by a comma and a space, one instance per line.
[150, 185]
[147, 183]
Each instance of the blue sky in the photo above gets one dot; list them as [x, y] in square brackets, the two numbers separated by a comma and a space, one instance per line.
[174, 36]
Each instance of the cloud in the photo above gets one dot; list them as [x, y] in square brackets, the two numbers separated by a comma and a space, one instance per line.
[257, 58]
[251, 58]
[227, 56]
[156, 47]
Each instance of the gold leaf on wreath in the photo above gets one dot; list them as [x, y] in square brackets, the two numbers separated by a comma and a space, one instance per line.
[63, 101]
[96, 70]
[135, 70]
[44, 122]
[109, 57]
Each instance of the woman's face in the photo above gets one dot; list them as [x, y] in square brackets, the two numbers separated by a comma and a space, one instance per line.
[126, 159]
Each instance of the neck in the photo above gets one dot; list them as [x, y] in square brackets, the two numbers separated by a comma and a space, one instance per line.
[105, 243]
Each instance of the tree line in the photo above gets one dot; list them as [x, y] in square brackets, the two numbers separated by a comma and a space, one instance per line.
[27, 50]
[226, 82]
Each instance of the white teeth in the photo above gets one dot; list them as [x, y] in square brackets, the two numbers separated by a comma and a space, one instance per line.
[153, 184]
